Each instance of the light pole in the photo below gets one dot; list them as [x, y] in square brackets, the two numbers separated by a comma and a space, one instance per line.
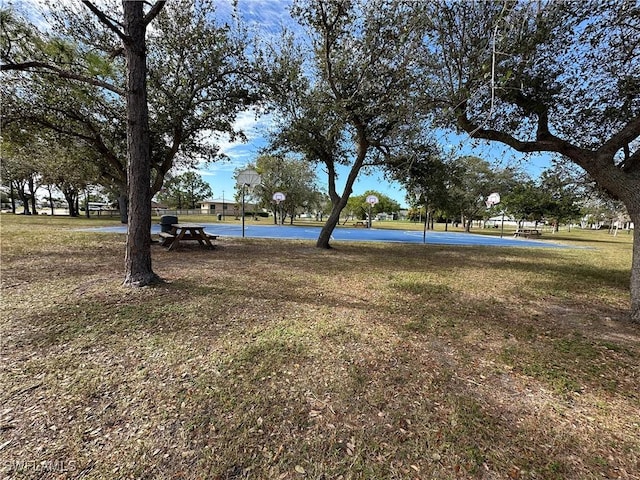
[419, 196]
[222, 205]
[243, 187]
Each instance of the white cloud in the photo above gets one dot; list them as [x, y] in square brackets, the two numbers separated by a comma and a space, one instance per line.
[255, 130]
[220, 174]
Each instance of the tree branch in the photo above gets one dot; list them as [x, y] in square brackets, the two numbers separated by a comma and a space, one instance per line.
[106, 20]
[28, 66]
[153, 13]
[629, 133]
[631, 162]
[544, 143]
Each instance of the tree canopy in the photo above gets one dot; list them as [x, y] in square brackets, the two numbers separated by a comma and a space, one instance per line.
[184, 191]
[363, 81]
[198, 80]
[354, 100]
[544, 76]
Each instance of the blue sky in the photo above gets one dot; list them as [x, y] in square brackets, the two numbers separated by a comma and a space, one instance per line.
[267, 18]
[220, 174]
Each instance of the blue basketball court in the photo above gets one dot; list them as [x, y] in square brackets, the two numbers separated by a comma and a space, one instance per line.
[343, 234]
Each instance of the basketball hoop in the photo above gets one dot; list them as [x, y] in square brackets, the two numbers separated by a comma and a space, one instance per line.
[492, 200]
[279, 197]
[247, 178]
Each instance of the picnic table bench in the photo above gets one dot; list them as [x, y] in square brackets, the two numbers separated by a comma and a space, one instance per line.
[186, 232]
[360, 224]
[527, 232]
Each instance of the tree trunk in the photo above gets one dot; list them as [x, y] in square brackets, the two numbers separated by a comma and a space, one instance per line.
[87, 213]
[13, 198]
[51, 200]
[339, 202]
[625, 185]
[24, 199]
[330, 225]
[138, 271]
[71, 201]
[123, 206]
[32, 192]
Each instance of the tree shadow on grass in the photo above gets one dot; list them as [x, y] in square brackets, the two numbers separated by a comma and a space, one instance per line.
[250, 374]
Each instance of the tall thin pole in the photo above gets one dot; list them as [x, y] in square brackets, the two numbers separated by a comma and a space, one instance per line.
[243, 210]
[426, 220]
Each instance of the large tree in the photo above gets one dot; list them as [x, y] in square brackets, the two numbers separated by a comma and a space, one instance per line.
[138, 270]
[291, 176]
[546, 77]
[358, 207]
[563, 194]
[131, 31]
[352, 102]
[526, 201]
[185, 191]
[198, 80]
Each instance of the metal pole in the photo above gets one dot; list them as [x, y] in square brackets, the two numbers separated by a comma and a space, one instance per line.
[369, 222]
[222, 204]
[242, 210]
[502, 225]
[426, 220]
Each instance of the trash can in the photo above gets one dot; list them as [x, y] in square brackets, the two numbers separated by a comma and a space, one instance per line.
[219, 216]
[166, 221]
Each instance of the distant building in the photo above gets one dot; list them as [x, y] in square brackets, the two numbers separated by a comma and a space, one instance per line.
[217, 206]
[220, 206]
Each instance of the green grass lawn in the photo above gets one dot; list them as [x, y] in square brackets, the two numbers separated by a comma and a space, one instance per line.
[276, 360]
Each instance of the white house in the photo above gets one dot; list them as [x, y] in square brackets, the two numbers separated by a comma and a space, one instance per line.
[224, 207]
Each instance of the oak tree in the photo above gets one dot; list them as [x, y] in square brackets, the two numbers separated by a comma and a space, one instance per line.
[350, 103]
[546, 76]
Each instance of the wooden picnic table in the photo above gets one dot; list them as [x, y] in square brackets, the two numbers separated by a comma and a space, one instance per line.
[186, 232]
[527, 232]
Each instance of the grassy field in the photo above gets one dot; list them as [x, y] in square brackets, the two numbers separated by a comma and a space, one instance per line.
[275, 360]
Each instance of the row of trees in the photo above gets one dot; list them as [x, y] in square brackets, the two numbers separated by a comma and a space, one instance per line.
[361, 85]
[140, 100]
[186, 190]
[453, 188]
[372, 78]
[457, 189]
